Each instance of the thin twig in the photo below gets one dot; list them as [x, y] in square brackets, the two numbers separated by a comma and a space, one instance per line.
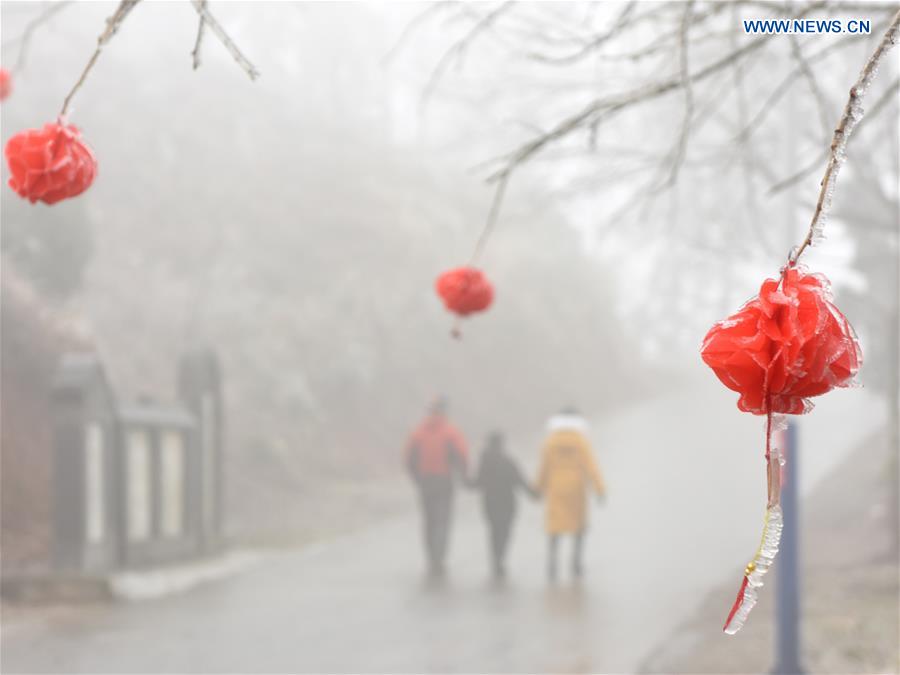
[112, 25]
[411, 27]
[852, 114]
[812, 82]
[493, 214]
[661, 44]
[29, 30]
[457, 51]
[621, 21]
[782, 88]
[745, 150]
[661, 41]
[681, 145]
[799, 175]
[609, 107]
[225, 39]
[201, 24]
[887, 97]
[851, 6]
[602, 110]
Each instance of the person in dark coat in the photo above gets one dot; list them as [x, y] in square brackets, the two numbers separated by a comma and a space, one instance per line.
[499, 479]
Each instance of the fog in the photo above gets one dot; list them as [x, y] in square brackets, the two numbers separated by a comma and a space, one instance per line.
[291, 229]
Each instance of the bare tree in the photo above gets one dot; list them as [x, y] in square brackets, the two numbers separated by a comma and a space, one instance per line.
[696, 49]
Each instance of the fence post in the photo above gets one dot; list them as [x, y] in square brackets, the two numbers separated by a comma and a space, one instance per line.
[200, 388]
[787, 607]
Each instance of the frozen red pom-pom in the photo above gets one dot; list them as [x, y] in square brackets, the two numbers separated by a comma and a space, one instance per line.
[5, 83]
[785, 345]
[465, 290]
[50, 164]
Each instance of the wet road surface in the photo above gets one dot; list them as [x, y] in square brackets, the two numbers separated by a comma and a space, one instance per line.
[686, 493]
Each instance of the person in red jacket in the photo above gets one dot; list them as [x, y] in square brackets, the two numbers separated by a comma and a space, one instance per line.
[436, 457]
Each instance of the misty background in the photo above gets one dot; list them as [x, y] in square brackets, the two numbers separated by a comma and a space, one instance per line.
[296, 225]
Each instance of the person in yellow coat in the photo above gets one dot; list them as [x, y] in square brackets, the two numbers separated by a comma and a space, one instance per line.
[567, 470]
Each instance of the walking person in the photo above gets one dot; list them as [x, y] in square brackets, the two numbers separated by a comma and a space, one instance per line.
[499, 479]
[436, 458]
[567, 470]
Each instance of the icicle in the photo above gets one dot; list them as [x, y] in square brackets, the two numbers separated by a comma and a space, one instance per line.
[771, 536]
[756, 569]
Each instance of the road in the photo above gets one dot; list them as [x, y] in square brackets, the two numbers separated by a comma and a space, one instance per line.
[687, 490]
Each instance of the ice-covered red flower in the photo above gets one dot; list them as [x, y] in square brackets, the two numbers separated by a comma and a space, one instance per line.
[465, 290]
[5, 83]
[785, 345]
[50, 164]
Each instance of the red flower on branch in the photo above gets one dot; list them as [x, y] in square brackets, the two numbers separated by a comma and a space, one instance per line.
[50, 164]
[785, 345]
[465, 290]
[5, 83]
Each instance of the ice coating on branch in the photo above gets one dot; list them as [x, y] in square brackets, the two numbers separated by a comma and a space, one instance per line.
[779, 423]
[773, 471]
[852, 115]
[756, 570]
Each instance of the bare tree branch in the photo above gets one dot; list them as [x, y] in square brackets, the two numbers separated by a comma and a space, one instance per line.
[681, 145]
[601, 110]
[889, 95]
[852, 6]
[852, 114]
[410, 27]
[25, 38]
[660, 42]
[750, 212]
[112, 25]
[781, 89]
[491, 222]
[201, 23]
[456, 53]
[617, 26]
[660, 45]
[225, 39]
[677, 48]
[812, 82]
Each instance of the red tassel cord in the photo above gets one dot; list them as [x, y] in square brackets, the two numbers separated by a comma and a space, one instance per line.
[737, 603]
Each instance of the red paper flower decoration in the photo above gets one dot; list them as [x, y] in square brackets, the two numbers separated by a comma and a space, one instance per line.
[5, 83]
[784, 346]
[50, 164]
[465, 290]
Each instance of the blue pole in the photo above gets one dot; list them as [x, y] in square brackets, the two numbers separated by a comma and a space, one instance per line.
[787, 606]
